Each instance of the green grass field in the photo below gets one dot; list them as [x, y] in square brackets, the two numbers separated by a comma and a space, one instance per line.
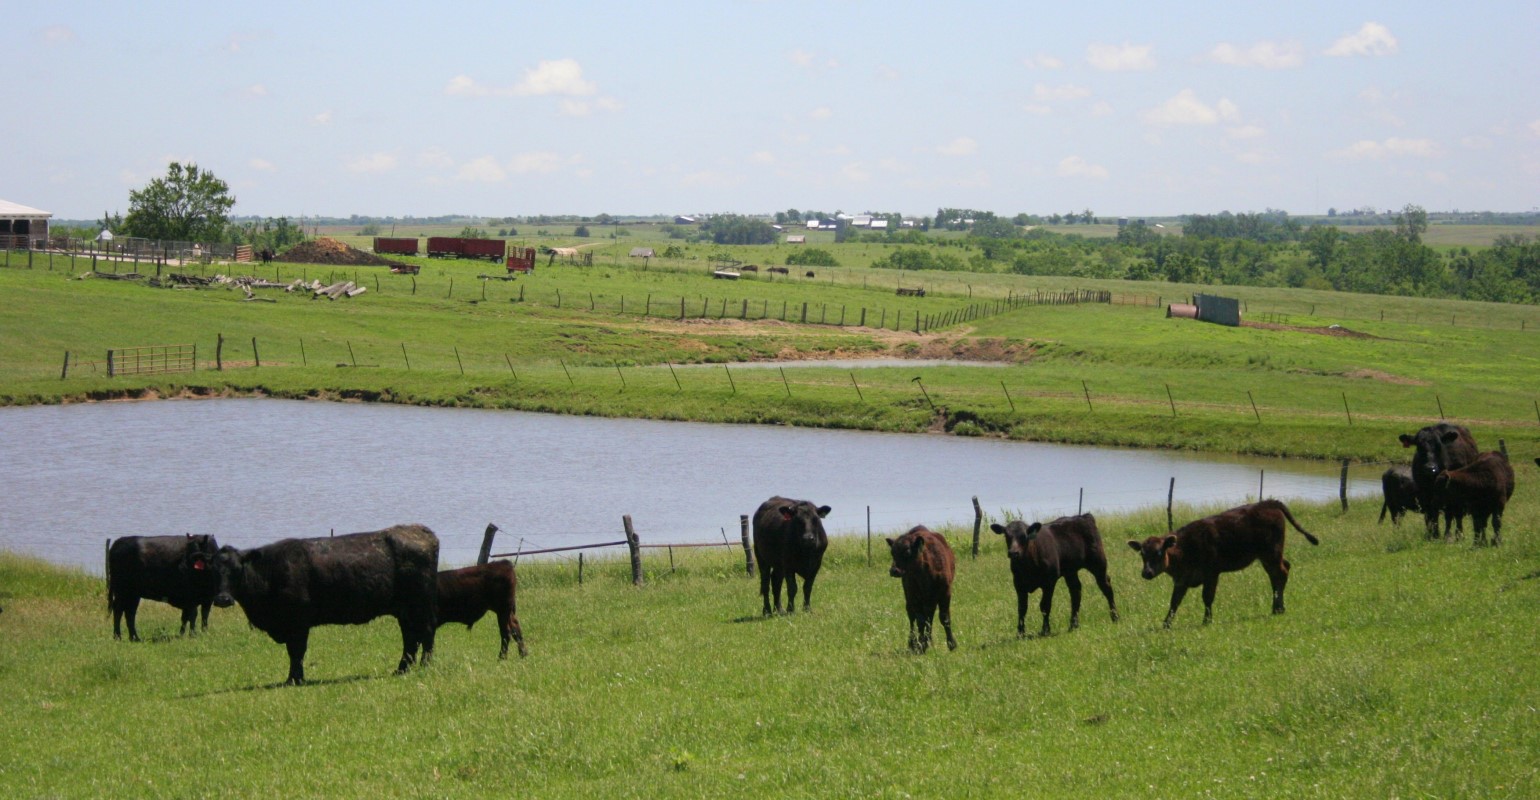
[1402, 669]
[587, 340]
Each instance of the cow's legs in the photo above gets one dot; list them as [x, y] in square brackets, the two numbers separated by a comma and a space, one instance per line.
[764, 586]
[807, 591]
[1021, 612]
[791, 593]
[117, 620]
[1278, 573]
[296, 646]
[776, 579]
[1497, 528]
[914, 628]
[509, 625]
[131, 611]
[206, 606]
[946, 621]
[1210, 588]
[1072, 580]
[927, 622]
[1105, 584]
[1045, 605]
[1178, 591]
[189, 621]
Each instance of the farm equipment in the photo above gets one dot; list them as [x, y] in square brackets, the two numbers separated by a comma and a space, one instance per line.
[399, 247]
[521, 260]
[459, 247]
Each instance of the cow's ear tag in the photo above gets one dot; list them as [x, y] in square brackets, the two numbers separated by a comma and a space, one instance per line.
[198, 564]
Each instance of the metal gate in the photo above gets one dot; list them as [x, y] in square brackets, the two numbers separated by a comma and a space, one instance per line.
[152, 360]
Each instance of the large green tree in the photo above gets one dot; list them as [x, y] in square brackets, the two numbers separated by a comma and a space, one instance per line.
[188, 204]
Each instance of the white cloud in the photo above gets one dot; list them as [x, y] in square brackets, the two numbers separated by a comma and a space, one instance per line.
[762, 157]
[323, 118]
[1186, 109]
[801, 58]
[1121, 57]
[541, 161]
[582, 108]
[58, 34]
[1044, 93]
[256, 90]
[372, 162]
[1245, 132]
[1373, 39]
[887, 73]
[481, 170]
[1534, 127]
[961, 146]
[1042, 61]
[856, 172]
[262, 165]
[1267, 55]
[238, 41]
[821, 113]
[1367, 149]
[1077, 167]
[562, 77]
[435, 157]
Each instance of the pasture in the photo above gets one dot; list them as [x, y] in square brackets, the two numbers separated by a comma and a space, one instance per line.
[587, 340]
[1402, 669]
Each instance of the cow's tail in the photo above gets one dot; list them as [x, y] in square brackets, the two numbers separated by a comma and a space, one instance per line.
[1384, 507]
[108, 572]
[1309, 537]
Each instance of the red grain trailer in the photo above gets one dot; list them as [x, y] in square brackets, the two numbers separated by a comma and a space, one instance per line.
[445, 246]
[399, 247]
[491, 249]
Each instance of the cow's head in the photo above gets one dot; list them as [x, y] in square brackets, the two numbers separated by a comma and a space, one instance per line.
[804, 522]
[1432, 443]
[1018, 536]
[1156, 552]
[229, 567]
[906, 552]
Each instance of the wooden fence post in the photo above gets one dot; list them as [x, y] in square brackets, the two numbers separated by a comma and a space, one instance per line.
[65, 373]
[1342, 489]
[633, 542]
[486, 544]
[978, 522]
[257, 356]
[219, 353]
[748, 552]
[1170, 496]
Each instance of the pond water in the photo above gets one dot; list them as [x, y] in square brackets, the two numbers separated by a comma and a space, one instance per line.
[252, 471]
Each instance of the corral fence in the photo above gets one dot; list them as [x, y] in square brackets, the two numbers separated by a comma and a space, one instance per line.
[632, 543]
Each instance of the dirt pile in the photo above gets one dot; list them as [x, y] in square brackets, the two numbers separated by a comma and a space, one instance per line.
[332, 252]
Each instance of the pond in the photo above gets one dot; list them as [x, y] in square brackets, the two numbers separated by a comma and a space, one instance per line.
[252, 471]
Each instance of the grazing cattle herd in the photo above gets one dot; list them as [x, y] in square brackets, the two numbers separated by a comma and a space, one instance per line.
[290, 586]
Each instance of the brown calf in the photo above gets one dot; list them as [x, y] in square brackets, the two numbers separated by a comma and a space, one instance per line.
[465, 595]
[1481, 489]
[1200, 550]
[1042, 554]
[924, 561]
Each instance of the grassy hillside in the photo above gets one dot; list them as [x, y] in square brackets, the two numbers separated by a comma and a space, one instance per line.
[588, 340]
[1402, 668]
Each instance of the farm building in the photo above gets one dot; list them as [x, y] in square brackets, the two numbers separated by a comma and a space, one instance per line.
[796, 238]
[20, 224]
[684, 220]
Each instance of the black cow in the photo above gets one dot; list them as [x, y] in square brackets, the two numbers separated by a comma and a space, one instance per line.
[178, 570]
[465, 595]
[1042, 554]
[1440, 448]
[1400, 493]
[1198, 552]
[290, 586]
[1482, 488]
[789, 541]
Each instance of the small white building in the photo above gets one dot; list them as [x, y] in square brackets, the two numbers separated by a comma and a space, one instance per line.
[796, 238]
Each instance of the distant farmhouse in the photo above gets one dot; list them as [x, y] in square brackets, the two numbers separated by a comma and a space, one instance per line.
[21, 224]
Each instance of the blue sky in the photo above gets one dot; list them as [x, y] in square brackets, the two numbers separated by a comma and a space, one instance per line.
[502, 109]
